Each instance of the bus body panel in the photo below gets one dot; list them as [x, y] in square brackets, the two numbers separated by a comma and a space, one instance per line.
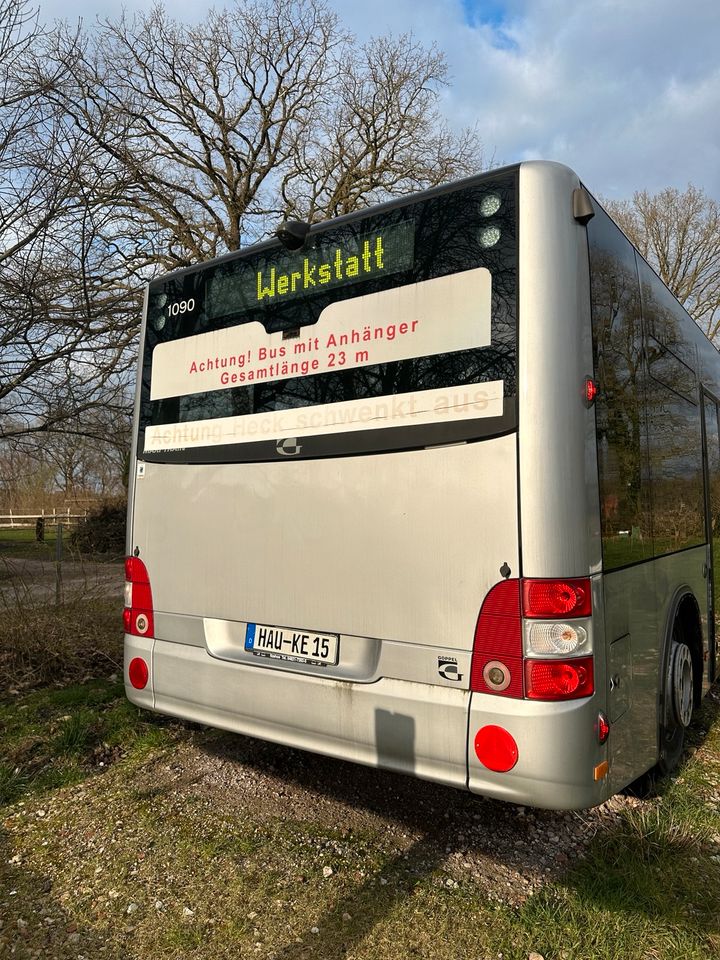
[400, 546]
[638, 602]
[558, 751]
[559, 512]
[409, 727]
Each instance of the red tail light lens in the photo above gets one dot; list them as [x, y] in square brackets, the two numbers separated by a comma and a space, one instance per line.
[559, 680]
[138, 614]
[603, 728]
[497, 649]
[498, 665]
[556, 598]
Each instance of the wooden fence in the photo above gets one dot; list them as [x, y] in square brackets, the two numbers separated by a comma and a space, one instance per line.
[51, 518]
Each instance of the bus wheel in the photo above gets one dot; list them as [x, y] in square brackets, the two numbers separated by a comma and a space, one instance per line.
[679, 695]
[677, 713]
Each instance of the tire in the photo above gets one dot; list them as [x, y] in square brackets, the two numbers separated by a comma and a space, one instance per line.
[677, 709]
[678, 702]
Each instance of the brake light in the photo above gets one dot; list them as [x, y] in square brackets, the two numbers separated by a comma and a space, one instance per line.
[138, 613]
[556, 598]
[559, 679]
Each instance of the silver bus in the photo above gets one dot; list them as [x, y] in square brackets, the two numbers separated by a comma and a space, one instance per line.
[431, 487]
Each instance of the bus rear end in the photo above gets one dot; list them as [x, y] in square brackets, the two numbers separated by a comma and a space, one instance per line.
[328, 545]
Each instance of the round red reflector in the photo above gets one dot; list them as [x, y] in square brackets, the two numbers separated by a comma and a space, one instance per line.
[138, 673]
[496, 749]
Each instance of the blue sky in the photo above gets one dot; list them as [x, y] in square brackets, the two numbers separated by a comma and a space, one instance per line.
[627, 92]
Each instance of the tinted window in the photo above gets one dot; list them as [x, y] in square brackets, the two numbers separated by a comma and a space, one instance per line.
[447, 233]
[674, 419]
[625, 502]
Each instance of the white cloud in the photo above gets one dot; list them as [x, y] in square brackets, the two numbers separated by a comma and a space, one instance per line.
[626, 93]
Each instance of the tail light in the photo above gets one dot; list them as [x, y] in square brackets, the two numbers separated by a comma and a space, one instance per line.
[559, 679]
[138, 614]
[529, 642]
[556, 598]
[497, 651]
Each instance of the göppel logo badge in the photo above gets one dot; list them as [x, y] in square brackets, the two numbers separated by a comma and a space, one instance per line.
[448, 668]
[290, 447]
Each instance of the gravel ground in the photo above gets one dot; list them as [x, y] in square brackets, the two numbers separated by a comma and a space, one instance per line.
[123, 847]
[509, 851]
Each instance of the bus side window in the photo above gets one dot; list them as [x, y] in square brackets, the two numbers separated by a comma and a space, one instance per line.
[674, 419]
[620, 405]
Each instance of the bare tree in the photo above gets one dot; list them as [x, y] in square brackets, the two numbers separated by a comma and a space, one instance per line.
[143, 144]
[65, 315]
[37, 175]
[213, 132]
[678, 233]
[68, 313]
[381, 134]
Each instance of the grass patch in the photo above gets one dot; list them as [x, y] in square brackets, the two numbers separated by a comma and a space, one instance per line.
[20, 543]
[53, 738]
[146, 861]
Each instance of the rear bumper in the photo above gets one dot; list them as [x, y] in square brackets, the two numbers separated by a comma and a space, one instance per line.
[410, 727]
[558, 751]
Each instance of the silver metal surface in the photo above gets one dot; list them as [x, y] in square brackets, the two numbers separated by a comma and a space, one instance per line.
[557, 456]
[681, 684]
[399, 725]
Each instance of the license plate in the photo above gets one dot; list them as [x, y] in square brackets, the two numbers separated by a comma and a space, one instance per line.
[299, 646]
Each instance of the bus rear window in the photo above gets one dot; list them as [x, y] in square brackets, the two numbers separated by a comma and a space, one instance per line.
[388, 330]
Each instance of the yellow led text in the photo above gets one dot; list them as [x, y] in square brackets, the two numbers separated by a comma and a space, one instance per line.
[338, 267]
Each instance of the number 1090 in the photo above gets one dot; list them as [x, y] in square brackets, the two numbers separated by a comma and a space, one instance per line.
[182, 306]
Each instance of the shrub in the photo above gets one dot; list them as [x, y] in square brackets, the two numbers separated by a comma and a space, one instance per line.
[103, 530]
[41, 643]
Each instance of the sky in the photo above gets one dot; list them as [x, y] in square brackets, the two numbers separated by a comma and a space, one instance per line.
[626, 92]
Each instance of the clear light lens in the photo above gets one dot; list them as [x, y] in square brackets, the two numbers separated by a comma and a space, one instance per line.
[490, 204]
[489, 236]
[128, 594]
[555, 639]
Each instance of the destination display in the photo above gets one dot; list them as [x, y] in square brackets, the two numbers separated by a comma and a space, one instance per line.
[285, 276]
